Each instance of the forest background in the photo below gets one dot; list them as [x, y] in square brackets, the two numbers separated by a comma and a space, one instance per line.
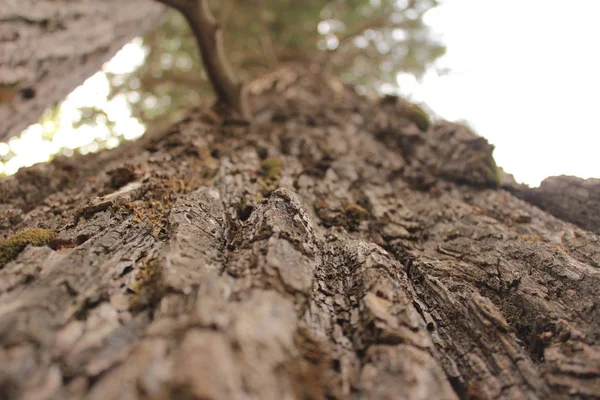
[465, 60]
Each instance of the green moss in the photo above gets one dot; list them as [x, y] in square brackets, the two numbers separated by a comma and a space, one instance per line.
[270, 174]
[11, 247]
[271, 168]
[500, 174]
[493, 172]
[147, 286]
[416, 114]
[356, 212]
[485, 157]
[531, 238]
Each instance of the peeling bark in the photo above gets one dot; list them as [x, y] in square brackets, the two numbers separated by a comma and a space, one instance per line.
[330, 249]
[47, 48]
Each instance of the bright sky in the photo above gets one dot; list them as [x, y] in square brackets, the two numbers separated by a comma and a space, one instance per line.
[524, 74]
[30, 148]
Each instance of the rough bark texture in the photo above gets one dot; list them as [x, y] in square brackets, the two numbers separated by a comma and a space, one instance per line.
[567, 197]
[330, 249]
[48, 47]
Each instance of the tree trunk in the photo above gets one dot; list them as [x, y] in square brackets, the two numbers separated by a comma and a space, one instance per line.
[48, 47]
[567, 197]
[330, 249]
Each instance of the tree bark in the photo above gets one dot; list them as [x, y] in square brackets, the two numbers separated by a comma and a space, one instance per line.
[566, 197]
[47, 48]
[329, 249]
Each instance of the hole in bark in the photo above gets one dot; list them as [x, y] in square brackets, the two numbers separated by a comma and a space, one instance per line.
[430, 326]
[337, 366]
[67, 378]
[245, 212]
[311, 121]
[279, 116]
[536, 348]
[27, 93]
[82, 239]
[45, 23]
[67, 288]
[458, 386]
[262, 152]
[89, 304]
[125, 271]
[9, 388]
[182, 391]
[215, 153]
[92, 380]
[121, 176]
[319, 168]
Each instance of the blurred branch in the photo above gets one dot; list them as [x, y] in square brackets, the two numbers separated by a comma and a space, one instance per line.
[375, 23]
[210, 41]
[379, 22]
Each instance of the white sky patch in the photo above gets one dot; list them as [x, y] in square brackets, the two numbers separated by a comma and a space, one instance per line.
[524, 74]
[30, 148]
[128, 59]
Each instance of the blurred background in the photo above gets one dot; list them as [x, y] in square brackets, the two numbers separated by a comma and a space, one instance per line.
[523, 74]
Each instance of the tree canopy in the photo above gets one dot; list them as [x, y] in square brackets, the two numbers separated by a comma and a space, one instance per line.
[365, 42]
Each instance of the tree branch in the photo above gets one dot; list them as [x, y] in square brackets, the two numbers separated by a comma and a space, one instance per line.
[210, 42]
[375, 23]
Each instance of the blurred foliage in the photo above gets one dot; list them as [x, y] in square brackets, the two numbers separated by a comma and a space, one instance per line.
[366, 42]
[49, 125]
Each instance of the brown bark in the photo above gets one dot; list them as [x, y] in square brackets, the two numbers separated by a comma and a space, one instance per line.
[567, 197]
[330, 249]
[47, 48]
